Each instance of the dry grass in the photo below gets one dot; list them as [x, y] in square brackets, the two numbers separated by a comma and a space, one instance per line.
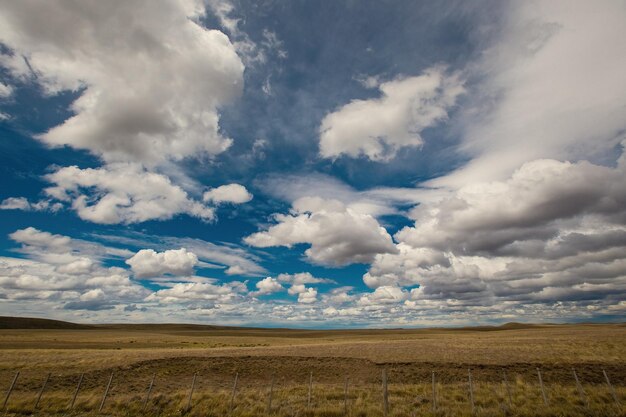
[174, 354]
[328, 400]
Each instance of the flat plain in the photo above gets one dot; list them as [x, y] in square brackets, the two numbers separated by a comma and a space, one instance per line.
[275, 367]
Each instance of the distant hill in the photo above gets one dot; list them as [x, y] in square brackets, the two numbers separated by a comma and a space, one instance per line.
[37, 323]
[506, 326]
[34, 323]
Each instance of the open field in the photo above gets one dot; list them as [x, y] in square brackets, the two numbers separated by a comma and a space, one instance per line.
[174, 353]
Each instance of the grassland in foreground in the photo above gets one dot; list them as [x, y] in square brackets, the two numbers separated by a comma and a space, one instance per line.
[174, 353]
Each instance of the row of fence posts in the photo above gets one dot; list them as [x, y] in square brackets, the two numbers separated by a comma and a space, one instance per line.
[385, 399]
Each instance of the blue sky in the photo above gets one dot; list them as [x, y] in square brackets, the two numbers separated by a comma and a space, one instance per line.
[306, 164]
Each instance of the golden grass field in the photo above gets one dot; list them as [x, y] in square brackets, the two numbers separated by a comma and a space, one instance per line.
[173, 353]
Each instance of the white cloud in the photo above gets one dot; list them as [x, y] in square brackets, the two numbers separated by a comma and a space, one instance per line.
[296, 289]
[238, 260]
[384, 295]
[308, 296]
[339, 296]
[67, 273]
[268, 285]
[231, 193]
[529, 205]
[337, 234]
[21, 203]
[49, 248]
[148, 263]
[375, 202]
[5, 90]
[198, 292]
[303, 278]
[34, 237]
[150, 77]
[65, 277]
[370, 81]
[378, 128]
[518, 232]
[553, 87]
[551, 233]
[122, 193]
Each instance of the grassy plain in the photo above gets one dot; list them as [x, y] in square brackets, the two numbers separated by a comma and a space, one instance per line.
[175, 352]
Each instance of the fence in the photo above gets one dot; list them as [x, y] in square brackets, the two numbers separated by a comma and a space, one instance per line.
[348, 397]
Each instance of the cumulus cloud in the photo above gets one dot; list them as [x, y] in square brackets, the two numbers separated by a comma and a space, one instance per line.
[95, 299]
[337, 234]
[136, 101]
[307, 296]
[122, 193]
[296, 282]
[236, 259]
[231, 193]
[148, 263]
[377, 128]
[386, 294]
[339, 296]
[268, 285]
[534, 204]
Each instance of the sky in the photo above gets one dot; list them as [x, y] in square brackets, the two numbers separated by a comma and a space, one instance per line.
[313, 164]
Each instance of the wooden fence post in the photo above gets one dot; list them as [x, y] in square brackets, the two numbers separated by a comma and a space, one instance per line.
[543, 391]
[106, 392]
[471, 389]
[80, 381]
[193, 385]
[43, 387]
[581, 392]
[345, 397]
[434, 394]
[310, 389]
[232, 397]
[6, 399]
[608, 382]
[145, 402]
[508, 389]
[269, 403]
[385, 394]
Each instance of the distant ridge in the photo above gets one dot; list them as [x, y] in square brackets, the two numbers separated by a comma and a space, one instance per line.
[7, 322]
[506, 326]
[35, 323]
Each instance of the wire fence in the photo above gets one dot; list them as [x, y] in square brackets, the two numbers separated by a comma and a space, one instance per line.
[118, 393]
